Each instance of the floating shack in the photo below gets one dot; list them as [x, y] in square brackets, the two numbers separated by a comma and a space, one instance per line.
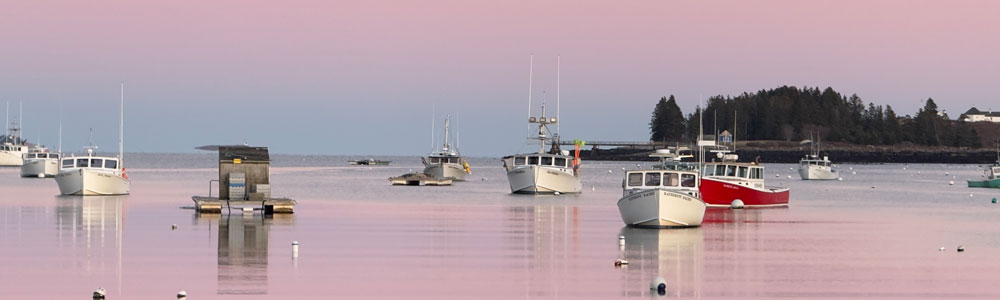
[244, 181]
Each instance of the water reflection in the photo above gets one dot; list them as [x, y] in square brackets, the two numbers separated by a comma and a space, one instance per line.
[674, 254]
[90, 222]
[243, 250]
[544, 236]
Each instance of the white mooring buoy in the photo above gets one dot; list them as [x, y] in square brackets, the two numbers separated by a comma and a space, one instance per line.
[557, 193]
[854, 172]
[961, 249]
[951, 183]
[737, 204]
[789, 176]
[659, 285]
[593, 188]
[100, 293]
[941, 249]
[173, 227]
[295, 249]
[182, 294]
[840, 178]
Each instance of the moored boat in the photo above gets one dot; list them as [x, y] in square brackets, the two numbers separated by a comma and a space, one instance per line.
[40, 164]
[96, 175]
[726, 181]
[812, 167]
[664, 196]
[446, 162]
[991, 175]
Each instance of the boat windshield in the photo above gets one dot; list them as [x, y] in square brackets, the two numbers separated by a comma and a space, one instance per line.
[67, 163]
[660, 179]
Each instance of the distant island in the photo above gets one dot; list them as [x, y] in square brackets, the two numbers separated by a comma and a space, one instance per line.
[770, 124]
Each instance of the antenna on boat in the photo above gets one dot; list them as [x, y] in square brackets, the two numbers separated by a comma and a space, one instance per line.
[60, 129]
[734, 128]
[6, 122]
[447, 124]
[531, 65]
[433, 117]
[701, 148]
[121, 128]
[558, 67]
[20, 114]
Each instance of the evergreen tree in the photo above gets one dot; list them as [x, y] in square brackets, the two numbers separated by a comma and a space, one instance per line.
[667, 123]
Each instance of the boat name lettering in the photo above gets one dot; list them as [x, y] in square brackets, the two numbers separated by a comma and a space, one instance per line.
[729, 186]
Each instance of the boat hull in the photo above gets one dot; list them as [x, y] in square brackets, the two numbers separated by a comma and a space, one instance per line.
[10, 159]
[661, 208]
[722, 193]
[995, 183]
[40, 168]
[455, 171]
[812, 172]
[86, 182]
[539, 180]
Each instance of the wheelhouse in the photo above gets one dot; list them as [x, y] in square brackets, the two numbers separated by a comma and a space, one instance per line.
[89, 162]
[445, 159]
[12, 148]
[660, 179]
[42, 155]
[822, 163]
[740, 171]
[545, 160]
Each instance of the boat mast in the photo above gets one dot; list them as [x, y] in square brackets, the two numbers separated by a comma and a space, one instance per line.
[121, 128]
[60, 131]
[433, 117]
[558, 67]
[531, 64]
[701, 148]
[447, 124]
[6, 122]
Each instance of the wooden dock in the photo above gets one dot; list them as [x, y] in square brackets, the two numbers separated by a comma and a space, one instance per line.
[271, 205]
[420, 179]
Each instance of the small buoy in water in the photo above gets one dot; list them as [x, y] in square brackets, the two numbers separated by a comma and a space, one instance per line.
[946, 174]
[295, 249]
[970, 195]
[623, 168]
[951, 183]
[620, 262]
[483, 179]
[610, 171]
[840, 178]
[918, 172]
[854, 173]
[952, 176]
[638, 166]
[557, 193]
[873, 186]
[994, 200]
[182, 294]
[790, 169]
[789, 176]
[173, 227]
[850, 168]
[961, 249]
[737, 204]
[941, 249]
[777, 175]
[99, 293]
[621, 240]
[659, 285]
[593, 188]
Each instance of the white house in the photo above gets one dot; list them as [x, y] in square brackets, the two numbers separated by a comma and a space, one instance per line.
[974, 115]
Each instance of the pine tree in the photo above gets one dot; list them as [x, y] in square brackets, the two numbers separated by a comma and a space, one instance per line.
[667, 123]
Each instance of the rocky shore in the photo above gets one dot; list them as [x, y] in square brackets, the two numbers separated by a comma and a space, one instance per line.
[791, 152]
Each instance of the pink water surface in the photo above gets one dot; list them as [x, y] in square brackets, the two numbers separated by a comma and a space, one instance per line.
[362, 238]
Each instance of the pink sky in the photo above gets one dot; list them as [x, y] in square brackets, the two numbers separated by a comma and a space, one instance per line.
[335, 64]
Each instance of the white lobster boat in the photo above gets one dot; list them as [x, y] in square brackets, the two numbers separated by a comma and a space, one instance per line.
[40, 164]
[664, 196]
[446, 162]
[812, 167]
[96, 175]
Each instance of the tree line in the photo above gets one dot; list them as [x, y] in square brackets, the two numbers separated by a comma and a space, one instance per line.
[790, 113]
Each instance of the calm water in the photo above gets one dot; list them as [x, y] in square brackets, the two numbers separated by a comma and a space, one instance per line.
[362, 238]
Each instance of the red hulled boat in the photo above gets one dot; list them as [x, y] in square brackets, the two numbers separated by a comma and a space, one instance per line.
[727, 181]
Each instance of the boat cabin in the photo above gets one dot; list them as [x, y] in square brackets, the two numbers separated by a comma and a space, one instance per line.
[445, 159]
[814, 162]
[659, 179]
[41, 155]
[12, 148]
[743, 171]
[89, 162]
[538, 159]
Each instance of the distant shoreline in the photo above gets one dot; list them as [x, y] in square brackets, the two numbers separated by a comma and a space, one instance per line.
[792, 152]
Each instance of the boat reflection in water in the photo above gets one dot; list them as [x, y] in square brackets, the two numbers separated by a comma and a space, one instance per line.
[93, 228]
[674, 254]
[243, 249]
[544, 238]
